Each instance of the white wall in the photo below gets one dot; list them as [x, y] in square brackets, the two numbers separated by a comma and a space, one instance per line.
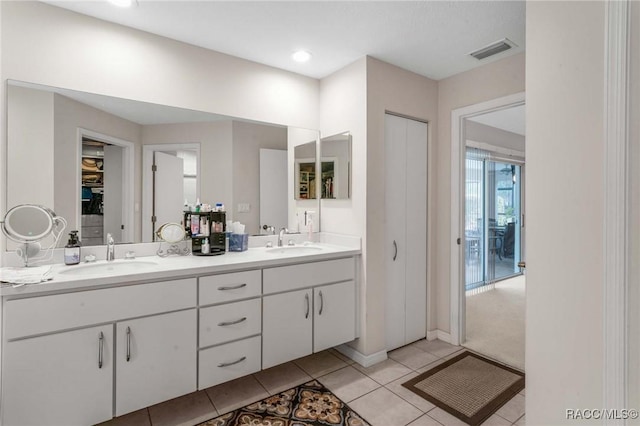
[633, 308]
[565, 128]
[343, 108]
[30, 164]
[491, 81]
[52, 46]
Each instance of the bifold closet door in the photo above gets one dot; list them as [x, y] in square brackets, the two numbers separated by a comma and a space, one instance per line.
[405, 230]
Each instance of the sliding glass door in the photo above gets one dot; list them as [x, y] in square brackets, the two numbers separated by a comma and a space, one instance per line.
[492, 218]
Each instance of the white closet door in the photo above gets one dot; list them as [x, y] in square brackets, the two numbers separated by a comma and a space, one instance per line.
[416, 228]
[395, 228]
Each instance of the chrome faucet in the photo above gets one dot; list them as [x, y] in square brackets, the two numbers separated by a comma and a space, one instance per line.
[111, 248]
[281, 235]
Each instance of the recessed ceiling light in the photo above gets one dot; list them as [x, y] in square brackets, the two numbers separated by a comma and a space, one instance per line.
[123, 3]
[301, 56]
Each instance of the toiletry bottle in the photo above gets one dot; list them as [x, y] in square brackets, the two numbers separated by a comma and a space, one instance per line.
[205, 246]
[72, 249]
[195, 224]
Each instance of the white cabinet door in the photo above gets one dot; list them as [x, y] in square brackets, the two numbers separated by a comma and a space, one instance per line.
[334, 319]
[406, 230]
[155, 359]
[286, 327]
[59, 379]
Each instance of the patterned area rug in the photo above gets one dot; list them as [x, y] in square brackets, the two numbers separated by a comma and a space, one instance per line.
[308, 404]
[468, 386]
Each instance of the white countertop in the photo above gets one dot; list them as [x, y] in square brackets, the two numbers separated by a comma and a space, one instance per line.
[155, 268]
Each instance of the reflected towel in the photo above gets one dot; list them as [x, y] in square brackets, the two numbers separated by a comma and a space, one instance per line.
[25, 275]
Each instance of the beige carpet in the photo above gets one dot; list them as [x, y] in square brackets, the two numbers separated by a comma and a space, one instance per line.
[495, 322]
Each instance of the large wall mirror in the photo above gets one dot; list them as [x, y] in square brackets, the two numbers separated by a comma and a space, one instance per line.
[335, 165]
[112, 165]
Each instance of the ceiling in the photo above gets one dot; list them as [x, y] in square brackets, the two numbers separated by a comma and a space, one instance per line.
[431, 38]
[509, 119]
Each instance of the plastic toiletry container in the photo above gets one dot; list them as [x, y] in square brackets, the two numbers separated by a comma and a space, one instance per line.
[72, 249]
[205, 246]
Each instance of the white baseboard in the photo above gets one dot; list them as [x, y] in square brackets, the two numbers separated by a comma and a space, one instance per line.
[360, 358]
[440, 335]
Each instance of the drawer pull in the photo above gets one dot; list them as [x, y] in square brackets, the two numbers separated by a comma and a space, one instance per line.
[128, 344]
[231, 287]
[227, 364]
[100, 347]
[226, 323]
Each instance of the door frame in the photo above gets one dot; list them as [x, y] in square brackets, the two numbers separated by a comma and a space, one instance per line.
[457, 299]
[147, 178]
[127, 179]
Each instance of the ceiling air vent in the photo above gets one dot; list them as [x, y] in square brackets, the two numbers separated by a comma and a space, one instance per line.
[493, 49]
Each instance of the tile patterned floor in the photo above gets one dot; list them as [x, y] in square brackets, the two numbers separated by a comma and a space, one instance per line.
[364, 389]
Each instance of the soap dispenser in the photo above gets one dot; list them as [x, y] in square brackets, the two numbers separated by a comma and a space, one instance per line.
[72, 249]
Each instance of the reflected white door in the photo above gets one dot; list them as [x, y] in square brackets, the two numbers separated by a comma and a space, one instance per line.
[273, 189]
[113, 208]
[168, 188]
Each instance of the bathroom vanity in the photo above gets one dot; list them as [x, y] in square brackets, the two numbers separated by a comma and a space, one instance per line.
[109, 338]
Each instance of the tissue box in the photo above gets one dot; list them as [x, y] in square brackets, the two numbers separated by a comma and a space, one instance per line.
[238, 242]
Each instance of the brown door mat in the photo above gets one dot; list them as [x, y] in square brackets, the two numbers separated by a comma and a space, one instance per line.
[469, 387]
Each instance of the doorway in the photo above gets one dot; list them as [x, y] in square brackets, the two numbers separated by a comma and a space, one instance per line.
[493, 194]
[487, 287]
[105, 191]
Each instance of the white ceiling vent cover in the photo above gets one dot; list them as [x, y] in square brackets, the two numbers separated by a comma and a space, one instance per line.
[493, 49]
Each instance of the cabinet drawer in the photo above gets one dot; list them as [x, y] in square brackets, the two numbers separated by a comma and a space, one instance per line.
[45, 314]
[232, 321]
[293, 277]
[227, 362]
[229, 287]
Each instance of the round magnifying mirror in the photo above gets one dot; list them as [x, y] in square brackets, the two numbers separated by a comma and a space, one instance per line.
[28, 222]
[171, 233]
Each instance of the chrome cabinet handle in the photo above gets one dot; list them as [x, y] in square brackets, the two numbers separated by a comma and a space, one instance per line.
[226, 323]
[227, 364]
[321, 303]
[232, 287]
[100, 347]
[306, 299]
[128, 344]
[395, 247]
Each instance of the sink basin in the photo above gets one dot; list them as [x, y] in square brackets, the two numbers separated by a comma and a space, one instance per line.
[294, 250]
[106, 268]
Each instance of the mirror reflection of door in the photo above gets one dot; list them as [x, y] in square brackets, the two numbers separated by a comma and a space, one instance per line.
[112, 198]
[168, 188]
[273, 190]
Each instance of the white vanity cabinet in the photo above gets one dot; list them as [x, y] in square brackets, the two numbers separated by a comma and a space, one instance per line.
[58, 356]
[83, 355]
[59, 379]
[288, 326]
[155, 359]
[230, 327]
[313, 309]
